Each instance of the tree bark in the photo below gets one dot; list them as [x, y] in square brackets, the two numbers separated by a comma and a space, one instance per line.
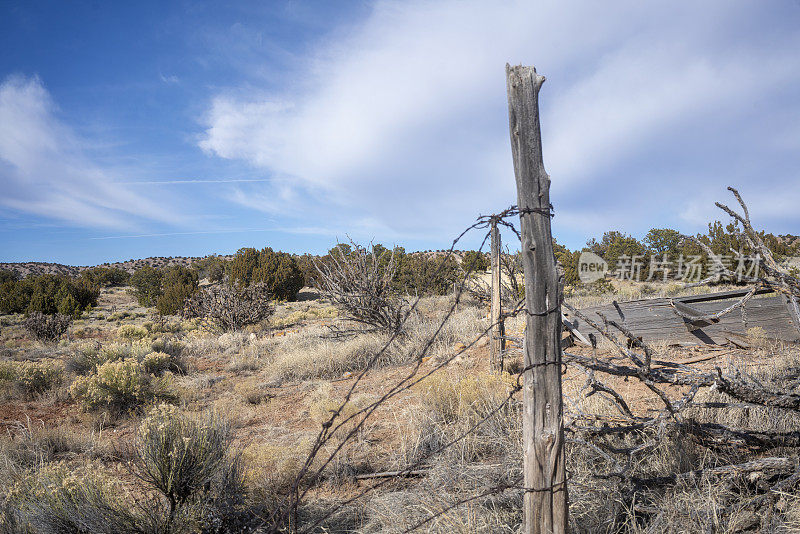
[545, 502]
[498, 342]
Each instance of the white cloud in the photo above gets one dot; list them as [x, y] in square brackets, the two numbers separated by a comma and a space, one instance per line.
[44, 169]
[402, 118]
[170, 79]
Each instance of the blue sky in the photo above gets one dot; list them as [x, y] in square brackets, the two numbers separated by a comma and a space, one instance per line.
[187, 128]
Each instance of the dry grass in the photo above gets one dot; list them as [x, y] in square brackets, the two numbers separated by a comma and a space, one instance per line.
[294, 313]
[627, 290]
[276, 387]
[313, 353]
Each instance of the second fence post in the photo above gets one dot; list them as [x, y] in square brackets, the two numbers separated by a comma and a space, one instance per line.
[545, 501]
[498, 339]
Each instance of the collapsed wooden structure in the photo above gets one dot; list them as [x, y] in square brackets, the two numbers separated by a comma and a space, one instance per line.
[696, 319]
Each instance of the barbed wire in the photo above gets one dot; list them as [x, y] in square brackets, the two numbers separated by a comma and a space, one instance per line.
[635, 360]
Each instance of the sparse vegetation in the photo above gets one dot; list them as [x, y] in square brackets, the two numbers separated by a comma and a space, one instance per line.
[131, 332]
[475, 262]
[187, 459]
[56, 498]
[30, 378]
[278, 375]
[106, 276]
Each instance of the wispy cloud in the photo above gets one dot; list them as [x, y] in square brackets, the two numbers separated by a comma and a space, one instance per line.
[169, 79]
[45, 170]
[402, 119]
[190, 182]
[172, 234]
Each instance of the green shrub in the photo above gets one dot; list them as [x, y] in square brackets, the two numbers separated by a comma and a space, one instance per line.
[84, 359]
[603, 285]
[156, 363]
[8, 371]
[47, 294]
[67, 305]
[37, 377]
[111, 352]
[55, 499]
[121, 386]
[106, 276]
[118, 316]
[177, 285]
[419, 274]
[211, 267]
[278, 271]
[146, 283]
[180, 456]
[171, 346]
[31, 378]
[87, 357]
[569, 263]
[475, 262]
[216, 272]
[131, 332]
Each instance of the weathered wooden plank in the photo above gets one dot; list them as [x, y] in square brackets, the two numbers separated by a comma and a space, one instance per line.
[655, 319]
[720, 295]
[693, 318]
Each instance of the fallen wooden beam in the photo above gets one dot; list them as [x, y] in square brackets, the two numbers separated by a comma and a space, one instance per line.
[658, 319]
[573, 329]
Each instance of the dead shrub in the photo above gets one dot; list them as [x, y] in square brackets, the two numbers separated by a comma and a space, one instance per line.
[47, 327]
[231, 307]
[359, 282]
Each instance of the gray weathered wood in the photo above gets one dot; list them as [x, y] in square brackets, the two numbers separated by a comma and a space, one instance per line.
[720, 295]
[793, 306]
[654, 319]
[545, 501]
[498, 343]
[573, 329]
[694, 318]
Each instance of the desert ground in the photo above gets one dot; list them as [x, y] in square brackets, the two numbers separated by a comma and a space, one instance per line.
[274, 385]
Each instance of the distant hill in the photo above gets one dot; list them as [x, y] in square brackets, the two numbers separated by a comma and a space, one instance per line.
[24, 269]
[36, 267]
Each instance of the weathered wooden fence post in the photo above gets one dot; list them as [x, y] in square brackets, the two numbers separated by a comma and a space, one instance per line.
[545, 502]
[498, 340]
